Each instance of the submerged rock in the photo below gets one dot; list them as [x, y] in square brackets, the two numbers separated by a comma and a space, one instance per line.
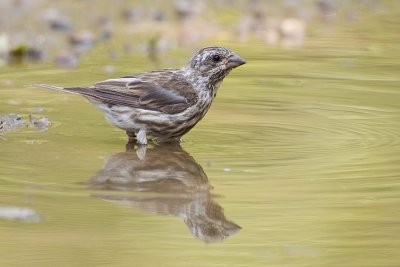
[41, 124]
[14, 122]
[26, 215]
[11, 122]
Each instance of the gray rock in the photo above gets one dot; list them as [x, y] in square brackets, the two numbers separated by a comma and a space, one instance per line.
[11, 122]
[26, 215]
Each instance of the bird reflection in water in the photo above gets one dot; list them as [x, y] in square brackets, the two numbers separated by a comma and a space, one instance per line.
[175, 184]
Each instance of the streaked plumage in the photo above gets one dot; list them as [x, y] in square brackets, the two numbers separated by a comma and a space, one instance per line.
[166, 103]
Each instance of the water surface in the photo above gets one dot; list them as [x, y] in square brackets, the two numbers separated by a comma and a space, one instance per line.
[296, 164]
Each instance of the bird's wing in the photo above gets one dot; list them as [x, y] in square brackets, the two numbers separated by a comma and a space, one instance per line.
[164, 91]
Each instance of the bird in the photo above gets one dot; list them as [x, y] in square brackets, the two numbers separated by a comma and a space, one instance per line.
[161, 105]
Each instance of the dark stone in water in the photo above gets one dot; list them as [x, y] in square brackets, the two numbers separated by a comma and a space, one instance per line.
[41, 124]
[11, 122]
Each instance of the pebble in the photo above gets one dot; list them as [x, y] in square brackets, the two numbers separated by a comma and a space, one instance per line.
[26, 215]
[11, 122]
[14, 122]
[41, 124]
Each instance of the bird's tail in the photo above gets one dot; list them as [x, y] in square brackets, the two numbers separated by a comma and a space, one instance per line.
[57, 88]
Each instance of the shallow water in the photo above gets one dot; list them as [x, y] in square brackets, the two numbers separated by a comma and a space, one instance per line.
[296, 164]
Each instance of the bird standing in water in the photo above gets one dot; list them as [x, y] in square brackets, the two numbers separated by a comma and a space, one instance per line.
[164, 104]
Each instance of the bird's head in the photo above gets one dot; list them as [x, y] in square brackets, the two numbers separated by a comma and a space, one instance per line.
[215, 62]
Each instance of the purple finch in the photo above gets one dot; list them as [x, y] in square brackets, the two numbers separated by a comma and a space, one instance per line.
[164, 104]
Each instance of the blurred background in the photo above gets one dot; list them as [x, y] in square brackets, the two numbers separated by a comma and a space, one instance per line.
[295, 164]
[65, 32]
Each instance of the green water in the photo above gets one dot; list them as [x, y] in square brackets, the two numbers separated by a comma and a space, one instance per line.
[296, 164]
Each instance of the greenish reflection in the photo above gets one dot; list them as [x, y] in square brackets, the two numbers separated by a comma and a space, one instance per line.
[170, 182]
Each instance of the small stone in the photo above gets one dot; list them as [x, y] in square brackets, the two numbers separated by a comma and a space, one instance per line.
[11, 122]
[41, 124]
[2, 126]
[26, 215]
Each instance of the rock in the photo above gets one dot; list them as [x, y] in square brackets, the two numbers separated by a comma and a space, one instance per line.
[67, 60]
[11, 122]
[41, 124]
[26, 215]
[23, 53]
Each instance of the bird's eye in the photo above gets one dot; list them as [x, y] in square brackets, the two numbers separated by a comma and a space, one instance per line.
[216, 58]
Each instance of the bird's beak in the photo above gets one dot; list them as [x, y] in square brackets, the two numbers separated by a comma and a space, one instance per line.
[235, 61]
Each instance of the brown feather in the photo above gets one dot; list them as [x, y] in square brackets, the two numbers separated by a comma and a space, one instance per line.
[164, 91]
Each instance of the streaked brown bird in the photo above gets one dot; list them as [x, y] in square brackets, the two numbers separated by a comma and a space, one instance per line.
[164, 104]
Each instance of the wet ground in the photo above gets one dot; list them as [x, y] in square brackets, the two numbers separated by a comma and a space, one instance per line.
[296, 164]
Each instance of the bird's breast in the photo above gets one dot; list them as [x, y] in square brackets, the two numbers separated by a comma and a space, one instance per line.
[157, 123]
